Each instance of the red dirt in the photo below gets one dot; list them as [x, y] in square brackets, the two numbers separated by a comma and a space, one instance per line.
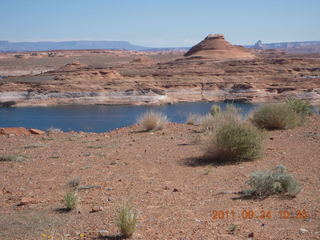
[174, 194]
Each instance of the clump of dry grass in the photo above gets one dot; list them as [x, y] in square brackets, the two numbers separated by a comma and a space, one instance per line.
[73, 183]
[70, 200]
[274, 181]
[127, 220]
[193, 119]
[54, 130]
[211, 122]
[152, 121]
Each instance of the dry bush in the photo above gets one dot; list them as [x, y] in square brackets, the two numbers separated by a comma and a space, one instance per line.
[214, 122]
[275, 181]
[234, 142]
[127, 220]
[275, 116]
[193, 119]
[152, 121]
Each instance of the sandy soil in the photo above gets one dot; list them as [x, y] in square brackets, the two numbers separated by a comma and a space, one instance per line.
[161, 174]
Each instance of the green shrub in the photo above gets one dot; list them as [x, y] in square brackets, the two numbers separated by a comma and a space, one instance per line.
[275, 116]
[274, 181]
[127, 220]
[215, 109]
[71, 200]
[301, 107]
[234, 141]
[152, 121]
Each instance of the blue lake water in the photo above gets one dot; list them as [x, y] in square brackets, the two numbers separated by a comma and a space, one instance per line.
[99, 118]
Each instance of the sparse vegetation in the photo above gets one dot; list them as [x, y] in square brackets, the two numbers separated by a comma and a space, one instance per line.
[275, 181]
[229, 138]
[12, 158]
[213, 122]
[193, 119]
[232, 228]
[74, 182]
[302, 107]
[127, 220]
[152, 121]
[71, 200]
[54, 130]
[34, 145]
[94, 147]
[208, 170]
[275, 116]
[234, 141]
[215, 109]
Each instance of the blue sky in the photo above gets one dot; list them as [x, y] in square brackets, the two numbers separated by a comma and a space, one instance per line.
[161, 23]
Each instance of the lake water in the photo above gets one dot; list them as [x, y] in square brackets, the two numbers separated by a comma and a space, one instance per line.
[99, 118]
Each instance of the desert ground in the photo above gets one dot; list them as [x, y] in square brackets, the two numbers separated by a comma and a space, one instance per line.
[213, 70]
[164, 175]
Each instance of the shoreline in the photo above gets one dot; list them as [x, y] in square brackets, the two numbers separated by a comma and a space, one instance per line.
[27, 99]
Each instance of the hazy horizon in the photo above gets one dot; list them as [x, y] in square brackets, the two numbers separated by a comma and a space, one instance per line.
[160, 24]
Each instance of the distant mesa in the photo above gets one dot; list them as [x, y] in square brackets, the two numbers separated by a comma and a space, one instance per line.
[214, 46]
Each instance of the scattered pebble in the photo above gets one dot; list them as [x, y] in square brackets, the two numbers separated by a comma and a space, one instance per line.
[303, 230]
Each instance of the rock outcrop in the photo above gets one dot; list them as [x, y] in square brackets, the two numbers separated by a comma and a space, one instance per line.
[214, 46]
[20, 131]
[259, 45]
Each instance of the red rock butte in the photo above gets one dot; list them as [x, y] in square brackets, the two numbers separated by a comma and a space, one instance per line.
[214, 46]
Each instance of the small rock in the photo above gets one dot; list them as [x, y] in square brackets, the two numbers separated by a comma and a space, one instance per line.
[250, 235]
[36, 131]
[303, 230]
[27, 200]
[271, 138]
[175, 190]
[96, 209]
[14, 131]
[102, 231]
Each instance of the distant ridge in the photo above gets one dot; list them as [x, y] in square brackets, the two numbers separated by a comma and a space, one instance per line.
[284, 45]
[6, 46]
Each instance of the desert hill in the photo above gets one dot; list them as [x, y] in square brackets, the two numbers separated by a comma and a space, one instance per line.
[214, 46]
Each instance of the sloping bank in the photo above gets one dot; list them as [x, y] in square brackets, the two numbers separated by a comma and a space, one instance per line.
[35, 98]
